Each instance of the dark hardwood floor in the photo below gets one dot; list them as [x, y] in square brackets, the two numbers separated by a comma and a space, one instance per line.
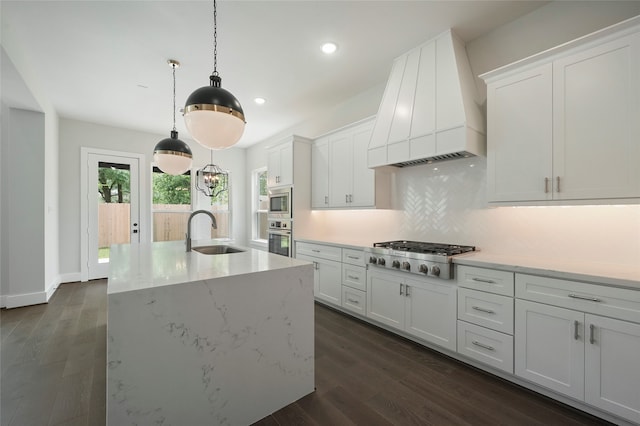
[53, 356]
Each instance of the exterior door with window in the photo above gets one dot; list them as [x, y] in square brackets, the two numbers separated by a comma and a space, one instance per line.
[110, 208]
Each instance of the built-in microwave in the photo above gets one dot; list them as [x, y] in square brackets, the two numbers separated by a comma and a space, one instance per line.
[280, 203]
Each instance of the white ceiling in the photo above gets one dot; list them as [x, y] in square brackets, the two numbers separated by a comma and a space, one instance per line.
[105, 61]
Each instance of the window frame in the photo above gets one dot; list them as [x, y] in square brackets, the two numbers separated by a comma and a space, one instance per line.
[255, 206]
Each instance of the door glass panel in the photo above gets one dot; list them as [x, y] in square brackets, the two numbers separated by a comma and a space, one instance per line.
[114, 208]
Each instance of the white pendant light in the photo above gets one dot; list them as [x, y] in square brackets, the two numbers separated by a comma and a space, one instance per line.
[172, 155]
[213, 116]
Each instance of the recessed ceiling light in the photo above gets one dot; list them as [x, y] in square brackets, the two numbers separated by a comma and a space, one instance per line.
[260, 101]
[329, 48]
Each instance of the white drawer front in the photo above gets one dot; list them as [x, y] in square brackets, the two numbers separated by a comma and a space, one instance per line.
[592, 298]
[353, 257]
[487, 346]
[354, 276]
[488, 310]
[319, 250]
[354, 300]
[491, 280]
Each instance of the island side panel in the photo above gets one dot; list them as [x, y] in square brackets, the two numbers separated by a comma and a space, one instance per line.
[225, 351]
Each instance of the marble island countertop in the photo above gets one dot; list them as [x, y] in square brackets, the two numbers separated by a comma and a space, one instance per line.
[148, 265]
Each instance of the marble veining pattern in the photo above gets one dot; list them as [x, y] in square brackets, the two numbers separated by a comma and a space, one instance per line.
[221, 351]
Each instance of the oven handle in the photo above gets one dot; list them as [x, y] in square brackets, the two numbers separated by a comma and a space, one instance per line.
[285, 233]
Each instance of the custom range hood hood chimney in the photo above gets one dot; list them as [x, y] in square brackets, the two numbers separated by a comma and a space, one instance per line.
[429, 111]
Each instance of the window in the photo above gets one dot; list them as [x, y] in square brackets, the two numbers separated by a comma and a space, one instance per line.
[171, 205]
[220, 208]
[260, 200]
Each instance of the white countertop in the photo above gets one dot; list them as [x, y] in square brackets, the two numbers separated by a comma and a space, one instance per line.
[140, 266]
[618, 275]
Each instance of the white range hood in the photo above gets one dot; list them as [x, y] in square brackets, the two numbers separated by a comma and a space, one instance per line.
[430, 110]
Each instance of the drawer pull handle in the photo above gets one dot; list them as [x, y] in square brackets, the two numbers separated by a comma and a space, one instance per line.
[406, 290]
[315, 251]
[353, 257]
[353, 301]
[591, 299]
[482, 280]
[482, 345]
[576, 326]
[592, 334]
[401, 289]
[351, 277]
[478, 308]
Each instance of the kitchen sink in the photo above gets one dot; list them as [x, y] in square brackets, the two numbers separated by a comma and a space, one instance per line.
[217, 249]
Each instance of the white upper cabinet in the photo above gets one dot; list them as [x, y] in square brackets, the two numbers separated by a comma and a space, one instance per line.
[288, 163]
[520, 128]
[320, 173]
[340, 175]
[564, 125]
[280, 165]
[429, 107]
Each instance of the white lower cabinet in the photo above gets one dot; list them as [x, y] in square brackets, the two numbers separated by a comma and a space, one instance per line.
[327, 276]
[549, 347]
[423, 308]
[588, 357]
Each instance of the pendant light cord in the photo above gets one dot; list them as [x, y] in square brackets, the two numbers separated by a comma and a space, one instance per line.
[174, 96]
[215, 39]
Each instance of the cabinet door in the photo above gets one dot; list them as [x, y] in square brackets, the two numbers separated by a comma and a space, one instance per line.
[273, 167]
[612, 375]
[596, 122]
[320, 173]
[549, 347]
[363, 178]
[340, 169]
[431, 312]
[329, 281]
[385, 299]
[286, 164]
[519, 138]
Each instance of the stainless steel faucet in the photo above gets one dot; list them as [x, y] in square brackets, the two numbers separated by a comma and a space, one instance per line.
[214, 225]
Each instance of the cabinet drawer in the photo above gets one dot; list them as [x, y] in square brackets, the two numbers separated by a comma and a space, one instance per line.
[319, 250]
[354, 276]
[597, 299]
[353, 257]
[487, 346]
[354, 300]
[491, 280]
[488, 310]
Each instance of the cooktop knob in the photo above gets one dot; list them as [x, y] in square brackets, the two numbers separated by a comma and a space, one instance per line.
[423, 269]
[435, 270]
[373, 260]
[381, 261]
[406, 266]
[395, 264]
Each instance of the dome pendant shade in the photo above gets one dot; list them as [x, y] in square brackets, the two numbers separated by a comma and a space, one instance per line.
[172, 155]
[213, 116]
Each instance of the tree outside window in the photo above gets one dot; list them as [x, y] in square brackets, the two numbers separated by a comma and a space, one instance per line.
[171, 205]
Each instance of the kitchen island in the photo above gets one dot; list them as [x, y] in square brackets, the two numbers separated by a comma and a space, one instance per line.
[196, 339]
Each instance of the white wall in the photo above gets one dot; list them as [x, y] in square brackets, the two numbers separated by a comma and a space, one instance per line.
[75, 134]
[30, 178]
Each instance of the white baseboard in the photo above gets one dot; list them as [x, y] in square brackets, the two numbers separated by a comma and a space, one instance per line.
[70, 277]
[25, 299]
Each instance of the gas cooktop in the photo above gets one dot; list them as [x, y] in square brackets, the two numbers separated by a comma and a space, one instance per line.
[423, 247]
[424, 258]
